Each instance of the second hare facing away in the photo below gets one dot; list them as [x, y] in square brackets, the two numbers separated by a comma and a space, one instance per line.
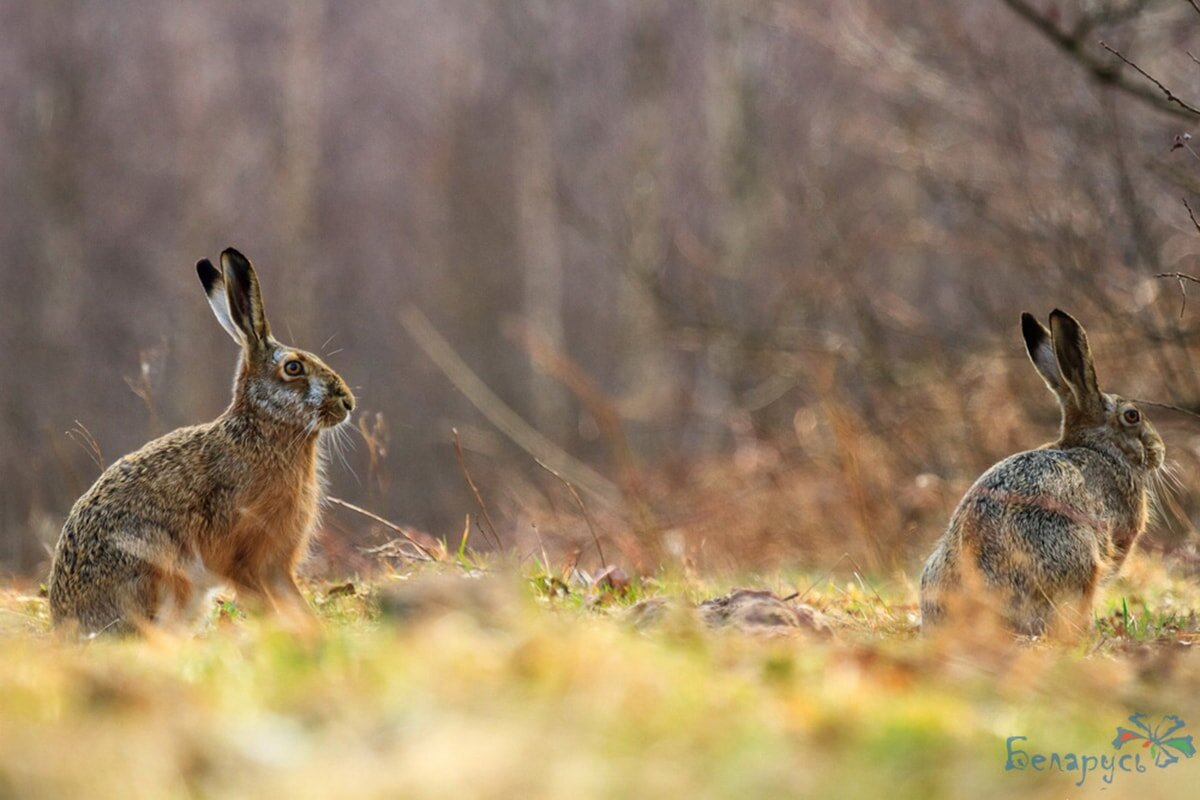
[1036, 535]
[231, 502]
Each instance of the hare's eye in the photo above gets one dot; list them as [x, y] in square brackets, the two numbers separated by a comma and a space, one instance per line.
[1131, 416]
[295, 369]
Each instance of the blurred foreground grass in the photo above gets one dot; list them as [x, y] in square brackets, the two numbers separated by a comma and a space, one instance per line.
[499, 685]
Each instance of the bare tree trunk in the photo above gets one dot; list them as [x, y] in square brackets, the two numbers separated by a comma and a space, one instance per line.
[645, 379]
[301, 80]
[541, 252]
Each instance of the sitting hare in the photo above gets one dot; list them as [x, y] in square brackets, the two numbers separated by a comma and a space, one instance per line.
[1040, 531]
[229, 502]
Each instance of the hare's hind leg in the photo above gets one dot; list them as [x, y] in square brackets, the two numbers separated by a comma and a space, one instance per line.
[289, 602]
[276, 590]
[187, 599]
[1065, 616]
[1029, 606]
[1074, 618]
[126, 604]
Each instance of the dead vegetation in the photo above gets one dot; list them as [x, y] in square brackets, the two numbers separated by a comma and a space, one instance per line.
[494, 682]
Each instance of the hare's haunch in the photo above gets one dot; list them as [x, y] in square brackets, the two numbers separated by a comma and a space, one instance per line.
[1038, 532]
[231, 502]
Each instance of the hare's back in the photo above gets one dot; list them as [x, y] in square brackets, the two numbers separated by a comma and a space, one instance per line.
[1048, 504]
[166, 480]
[1036, 494]
[1075, 480]
[1037, 473]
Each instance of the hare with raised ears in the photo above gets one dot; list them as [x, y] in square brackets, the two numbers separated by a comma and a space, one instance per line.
[1041, 530]
[229, 502]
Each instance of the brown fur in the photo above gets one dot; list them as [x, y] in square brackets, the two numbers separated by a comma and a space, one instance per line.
[1039, 532]
[232, 501]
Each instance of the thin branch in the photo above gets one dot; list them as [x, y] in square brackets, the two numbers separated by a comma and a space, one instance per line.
[608, 420]
[799, 596]
[1171, 96]
[1100, 70]
[462, 464]
[1191, 214]
[1167, 406]
[84, 438]
[1181, 277]
[337, 501]
[1181, 142]
[862, 582]
[1195, 5]
[499, 413]
[582, 509]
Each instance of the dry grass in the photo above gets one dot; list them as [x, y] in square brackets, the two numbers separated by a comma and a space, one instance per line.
[441, 684]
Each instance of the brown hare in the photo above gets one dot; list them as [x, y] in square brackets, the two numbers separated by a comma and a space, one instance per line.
[1041, 530]
[231, 502]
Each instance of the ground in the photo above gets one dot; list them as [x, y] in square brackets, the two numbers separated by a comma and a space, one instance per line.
[464, 681]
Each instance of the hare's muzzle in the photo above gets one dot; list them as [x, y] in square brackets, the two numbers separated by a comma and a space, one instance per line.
[1156, 455]
[339, 402]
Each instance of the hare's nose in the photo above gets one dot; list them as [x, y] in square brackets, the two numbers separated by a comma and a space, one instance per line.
[342, 392]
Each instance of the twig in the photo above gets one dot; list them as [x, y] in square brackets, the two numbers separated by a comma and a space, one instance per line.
[149, 361]
[375, 435]
[582, 509]
[392, 548]
[499, 413]
[462, 464]
[800, 597]
[1167, 406]
[1171, 97]
[337, 501]
[1073, 46]
[559, 365]
[1195, 5]
[1181, 139]
[1191, 214]
[864, 582]
[1180, 276]
[84, 438]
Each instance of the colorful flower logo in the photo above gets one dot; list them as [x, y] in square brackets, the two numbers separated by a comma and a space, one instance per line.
[1163, 740]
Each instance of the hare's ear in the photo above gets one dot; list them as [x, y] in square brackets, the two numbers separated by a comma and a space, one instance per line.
[1074, 358]
[245, 298]
[214, 290]
[1041, 353]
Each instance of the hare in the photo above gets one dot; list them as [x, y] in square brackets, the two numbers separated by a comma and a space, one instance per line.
[1041, 530]
[231, 502]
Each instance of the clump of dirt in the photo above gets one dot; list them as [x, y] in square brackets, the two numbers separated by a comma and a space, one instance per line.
[754, 611]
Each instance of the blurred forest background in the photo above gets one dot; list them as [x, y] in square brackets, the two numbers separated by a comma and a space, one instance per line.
[745, 273]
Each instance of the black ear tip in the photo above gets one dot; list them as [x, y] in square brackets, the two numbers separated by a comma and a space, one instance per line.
[233, 256]
[208, 273]
[1063, 319]
[232, 259]
[1031, 329]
